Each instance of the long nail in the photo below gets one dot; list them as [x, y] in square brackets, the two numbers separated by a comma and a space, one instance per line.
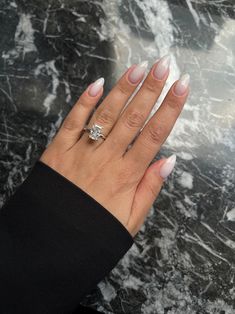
[182, 85]
[96, 87]
[162, 67]
[168, 166]
[138, 72]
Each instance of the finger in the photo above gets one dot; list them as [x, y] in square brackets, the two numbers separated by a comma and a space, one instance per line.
[157, 129]
[75, 121]
[147, 191]
[109, 110]
[136, 113]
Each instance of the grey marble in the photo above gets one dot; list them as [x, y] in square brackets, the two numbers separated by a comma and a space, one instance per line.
[183, 258]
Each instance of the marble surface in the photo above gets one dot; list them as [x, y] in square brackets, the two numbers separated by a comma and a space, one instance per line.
[183, 259]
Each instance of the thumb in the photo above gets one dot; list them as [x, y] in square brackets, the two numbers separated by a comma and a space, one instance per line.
[148, 190]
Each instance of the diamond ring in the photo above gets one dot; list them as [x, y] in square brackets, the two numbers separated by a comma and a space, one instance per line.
[95, 132]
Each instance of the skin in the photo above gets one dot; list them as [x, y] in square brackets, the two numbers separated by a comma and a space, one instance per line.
[119, 177]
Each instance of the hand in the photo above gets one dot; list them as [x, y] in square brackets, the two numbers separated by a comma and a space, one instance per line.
[114, 173]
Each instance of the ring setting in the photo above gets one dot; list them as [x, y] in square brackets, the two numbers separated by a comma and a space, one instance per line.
[95, 132]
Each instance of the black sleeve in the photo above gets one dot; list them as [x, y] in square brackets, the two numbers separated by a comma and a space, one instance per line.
[56, 244]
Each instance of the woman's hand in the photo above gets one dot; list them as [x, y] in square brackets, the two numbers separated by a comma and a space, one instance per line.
[113, 172]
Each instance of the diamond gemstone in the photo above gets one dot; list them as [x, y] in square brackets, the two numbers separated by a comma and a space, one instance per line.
[95, 132]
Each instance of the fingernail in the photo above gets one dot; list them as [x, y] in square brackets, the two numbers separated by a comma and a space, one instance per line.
[168, 166]
[96, 87]
[138, 72]
[162, 67]
[182, 85]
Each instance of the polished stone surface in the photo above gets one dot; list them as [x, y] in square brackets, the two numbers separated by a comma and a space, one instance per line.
[183, 259]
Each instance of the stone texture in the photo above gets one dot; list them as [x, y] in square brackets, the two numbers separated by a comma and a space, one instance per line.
[183, 258]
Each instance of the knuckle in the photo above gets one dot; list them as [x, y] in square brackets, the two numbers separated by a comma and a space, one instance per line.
[175, 104]
[123, 89]
[151, 87]
[70, 124]
[106, 117]
[134, 119]
[155, 133]
[85, 103]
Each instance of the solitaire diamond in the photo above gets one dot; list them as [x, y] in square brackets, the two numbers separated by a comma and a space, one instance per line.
[95, 132]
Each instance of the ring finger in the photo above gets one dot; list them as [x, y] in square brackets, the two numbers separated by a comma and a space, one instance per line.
[159, 126]
[108, 111]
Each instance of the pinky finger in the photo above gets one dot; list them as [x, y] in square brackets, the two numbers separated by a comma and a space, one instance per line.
[76, 119]
[148, 190]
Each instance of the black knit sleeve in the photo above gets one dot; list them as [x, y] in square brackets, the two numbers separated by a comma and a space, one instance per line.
[56, 244]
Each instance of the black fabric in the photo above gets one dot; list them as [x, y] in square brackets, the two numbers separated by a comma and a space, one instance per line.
[56, 244]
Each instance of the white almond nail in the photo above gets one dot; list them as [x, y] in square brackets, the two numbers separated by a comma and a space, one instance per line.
[168, 166]
[162, 67]
[96, 87]
[182, 85]
[138, 72]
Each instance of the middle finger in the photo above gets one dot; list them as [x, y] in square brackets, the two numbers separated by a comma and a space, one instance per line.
[136, 113]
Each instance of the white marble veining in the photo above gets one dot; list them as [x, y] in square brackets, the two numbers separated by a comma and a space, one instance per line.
[183, 259]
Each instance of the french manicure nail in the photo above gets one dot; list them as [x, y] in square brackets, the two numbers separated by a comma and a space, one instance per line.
[138, 72]
[168, 166]
[96, 87]
[182, 85]
[162, 67]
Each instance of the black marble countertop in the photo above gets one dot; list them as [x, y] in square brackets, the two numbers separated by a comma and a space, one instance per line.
[183, 259]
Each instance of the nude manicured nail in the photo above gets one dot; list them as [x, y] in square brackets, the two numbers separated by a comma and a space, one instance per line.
[162, 67]
[96, 87]
[138, 72]
[168, 166]
[182, 85]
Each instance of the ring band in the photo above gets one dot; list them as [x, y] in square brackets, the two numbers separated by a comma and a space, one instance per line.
[95, 132]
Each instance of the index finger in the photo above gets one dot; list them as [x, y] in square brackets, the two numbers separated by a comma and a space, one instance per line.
[159, 126]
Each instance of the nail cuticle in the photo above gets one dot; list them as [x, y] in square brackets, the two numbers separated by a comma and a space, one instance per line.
[179, 96]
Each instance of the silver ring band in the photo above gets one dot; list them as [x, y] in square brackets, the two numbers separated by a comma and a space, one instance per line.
[95, 132]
